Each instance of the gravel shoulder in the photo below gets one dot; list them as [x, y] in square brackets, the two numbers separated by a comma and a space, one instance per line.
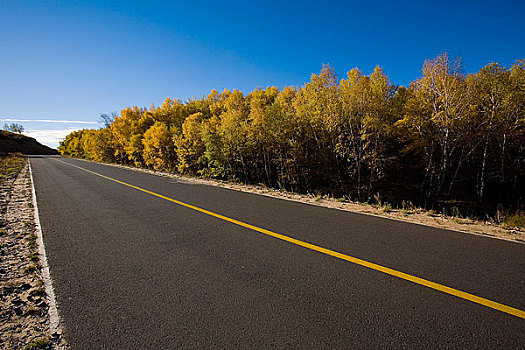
[409, 214]
[24, 319]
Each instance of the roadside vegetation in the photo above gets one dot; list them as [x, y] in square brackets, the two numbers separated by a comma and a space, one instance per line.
[450, 142]
[10, 166]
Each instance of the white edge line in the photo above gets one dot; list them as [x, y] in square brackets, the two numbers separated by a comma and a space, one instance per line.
[54, 319]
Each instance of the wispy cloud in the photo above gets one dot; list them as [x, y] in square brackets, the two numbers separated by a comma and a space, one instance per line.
[49, 138]
[46, 121]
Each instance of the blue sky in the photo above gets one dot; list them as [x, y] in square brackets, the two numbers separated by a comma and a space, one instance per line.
[72, 60]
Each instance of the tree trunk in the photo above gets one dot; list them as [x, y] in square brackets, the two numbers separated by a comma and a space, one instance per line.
[482, 175]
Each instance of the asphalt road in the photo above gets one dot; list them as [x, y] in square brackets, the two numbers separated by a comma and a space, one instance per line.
[135, 271]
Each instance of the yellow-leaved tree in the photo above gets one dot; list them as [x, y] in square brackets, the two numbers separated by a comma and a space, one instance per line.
[190, 144]
[159, 150]
[128, 130]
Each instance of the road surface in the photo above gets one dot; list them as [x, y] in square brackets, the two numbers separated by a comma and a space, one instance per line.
[135, 267]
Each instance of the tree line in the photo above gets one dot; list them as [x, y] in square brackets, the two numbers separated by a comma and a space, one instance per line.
[14, 127]
[449, 140]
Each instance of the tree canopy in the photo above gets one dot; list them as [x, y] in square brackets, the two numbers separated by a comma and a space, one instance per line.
[449, 139]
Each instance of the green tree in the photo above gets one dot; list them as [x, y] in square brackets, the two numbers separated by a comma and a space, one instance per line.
[14, 127]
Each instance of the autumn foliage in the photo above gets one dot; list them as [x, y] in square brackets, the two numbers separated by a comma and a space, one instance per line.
[449, 140]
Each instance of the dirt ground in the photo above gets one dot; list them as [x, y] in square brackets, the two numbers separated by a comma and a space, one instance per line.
[409, 214]
[24, 320]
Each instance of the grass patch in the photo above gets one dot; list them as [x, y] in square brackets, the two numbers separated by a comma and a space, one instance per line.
[31, 241]
[377, 198]
[432, 213]
[33, 257]
[387, 207]
[32, 244]
[40, 344]
[32, 268]
[515, 220]
[10, 166]
[38, 292]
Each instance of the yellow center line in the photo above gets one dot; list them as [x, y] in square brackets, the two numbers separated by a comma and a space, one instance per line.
[405, 276]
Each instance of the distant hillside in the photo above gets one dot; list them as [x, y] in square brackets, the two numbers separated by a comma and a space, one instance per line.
[12, 143]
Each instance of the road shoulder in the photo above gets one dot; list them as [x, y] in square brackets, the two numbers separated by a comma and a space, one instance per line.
[23, 299]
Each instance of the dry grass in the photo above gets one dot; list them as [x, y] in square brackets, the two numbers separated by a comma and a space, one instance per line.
[10, 166]
[516, 220]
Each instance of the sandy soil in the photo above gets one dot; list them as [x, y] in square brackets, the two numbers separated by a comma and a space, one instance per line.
[409, 214]
[23, 306]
